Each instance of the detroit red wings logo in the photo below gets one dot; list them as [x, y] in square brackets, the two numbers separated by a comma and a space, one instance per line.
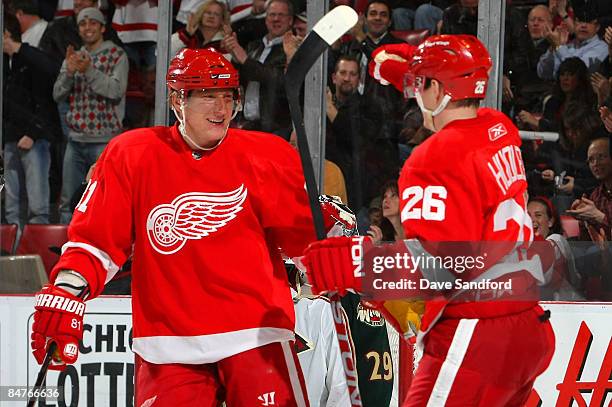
[192, 216]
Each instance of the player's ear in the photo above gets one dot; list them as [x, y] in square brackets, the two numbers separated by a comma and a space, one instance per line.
[437, 89]
[175, 102]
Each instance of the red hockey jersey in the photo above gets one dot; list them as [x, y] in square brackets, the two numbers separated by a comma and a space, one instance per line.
[467, 183]
[205, 228]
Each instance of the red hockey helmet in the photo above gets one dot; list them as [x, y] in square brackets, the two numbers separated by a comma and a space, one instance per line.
[201, 69]
[460, 62]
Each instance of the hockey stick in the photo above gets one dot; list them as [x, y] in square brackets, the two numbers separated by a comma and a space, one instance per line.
[42, 374]
[327, 30]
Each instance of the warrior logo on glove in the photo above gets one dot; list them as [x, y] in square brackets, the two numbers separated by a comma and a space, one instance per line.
[58, 318]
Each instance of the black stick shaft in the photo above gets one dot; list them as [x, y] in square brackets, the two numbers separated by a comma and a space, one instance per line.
[42, 373]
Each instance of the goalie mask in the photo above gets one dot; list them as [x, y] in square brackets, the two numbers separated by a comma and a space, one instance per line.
[339, 219]
[192, 74]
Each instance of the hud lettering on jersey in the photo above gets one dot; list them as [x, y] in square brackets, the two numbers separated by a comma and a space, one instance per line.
[369, 316]
[507, 167]
[497, 131]
[192, 216]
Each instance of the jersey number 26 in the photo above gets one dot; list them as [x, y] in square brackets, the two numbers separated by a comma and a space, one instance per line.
[424, 203]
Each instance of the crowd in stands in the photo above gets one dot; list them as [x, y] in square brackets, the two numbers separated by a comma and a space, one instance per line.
[78, 73]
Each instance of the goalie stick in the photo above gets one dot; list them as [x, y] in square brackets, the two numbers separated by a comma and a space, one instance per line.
[42, 374]
[325, 32]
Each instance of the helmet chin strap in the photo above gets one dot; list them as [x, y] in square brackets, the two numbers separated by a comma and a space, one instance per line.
[183, 130]
[428, 115]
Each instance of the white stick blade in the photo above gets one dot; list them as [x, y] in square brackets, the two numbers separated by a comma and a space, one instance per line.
[335, 23]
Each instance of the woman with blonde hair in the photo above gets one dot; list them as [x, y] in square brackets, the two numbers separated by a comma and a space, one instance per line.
[205, 29]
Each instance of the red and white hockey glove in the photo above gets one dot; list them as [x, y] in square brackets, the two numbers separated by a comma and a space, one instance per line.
[339, 219]
[333, 265]
[390, 65]
[58, 318]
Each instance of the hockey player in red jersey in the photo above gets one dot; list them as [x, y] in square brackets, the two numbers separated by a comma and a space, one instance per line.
[205, 210]
[466, 183]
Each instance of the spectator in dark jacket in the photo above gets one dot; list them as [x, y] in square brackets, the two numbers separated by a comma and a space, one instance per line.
[30, 125]
[573, 84]
[371, 32]
[523, 89]
[262, 72]
[567, 159]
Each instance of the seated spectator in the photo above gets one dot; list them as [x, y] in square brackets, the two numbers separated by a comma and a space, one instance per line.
[586, 46]
[561, 280]
[30, 123]
[522, 86]
[596, 209]
[572, 85]
[390, 228]
[594, 213]
[94, 81]
[567, 159]
[370, 32]
[600, 8]
[262, 72]
[205, 29]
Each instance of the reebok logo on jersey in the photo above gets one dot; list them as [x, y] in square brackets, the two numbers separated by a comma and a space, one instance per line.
[267, 399]
[192, 216]
[369, 316]
[497, 131]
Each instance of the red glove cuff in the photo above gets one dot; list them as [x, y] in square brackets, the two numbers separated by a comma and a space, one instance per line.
[335, 264]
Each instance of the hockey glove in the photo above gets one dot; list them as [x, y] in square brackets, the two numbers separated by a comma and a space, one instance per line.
[333, 265]
[58, 318]
[390, 64]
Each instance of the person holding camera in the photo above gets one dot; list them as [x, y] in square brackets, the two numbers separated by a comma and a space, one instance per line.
[567, 159]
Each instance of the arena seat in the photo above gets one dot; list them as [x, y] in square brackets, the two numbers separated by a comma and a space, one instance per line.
[8, 234]
[44, 240]
[22, 274]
